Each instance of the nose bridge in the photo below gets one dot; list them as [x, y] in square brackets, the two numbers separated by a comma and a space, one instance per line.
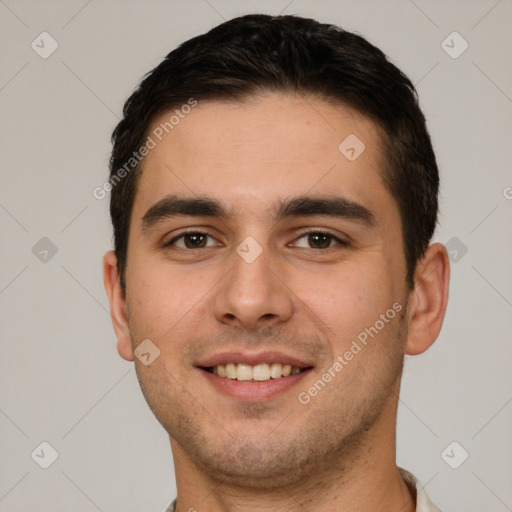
[251, 295]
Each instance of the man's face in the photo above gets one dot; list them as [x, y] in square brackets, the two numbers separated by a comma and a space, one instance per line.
[267, 246]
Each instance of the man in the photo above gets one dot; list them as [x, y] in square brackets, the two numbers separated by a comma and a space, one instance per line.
[273, 196]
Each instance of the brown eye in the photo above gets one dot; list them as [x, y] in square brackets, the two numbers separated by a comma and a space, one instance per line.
[193, 240]
[319, 240]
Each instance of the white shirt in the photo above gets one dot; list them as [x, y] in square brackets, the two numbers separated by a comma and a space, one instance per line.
[423, 503]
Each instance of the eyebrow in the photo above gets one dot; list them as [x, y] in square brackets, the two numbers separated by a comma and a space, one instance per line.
[302, 206]
[336, 206]
[172, 206]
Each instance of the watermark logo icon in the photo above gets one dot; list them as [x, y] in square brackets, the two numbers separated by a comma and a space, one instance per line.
[249, 250]
[44, 455]
[454, 455]
[147, 352]
[454, 45]
[456, 249]
[44, 45]
[44, 250]
[351, 147]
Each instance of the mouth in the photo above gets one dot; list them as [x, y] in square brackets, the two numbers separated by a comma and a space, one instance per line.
[258, 373]
[253, 377]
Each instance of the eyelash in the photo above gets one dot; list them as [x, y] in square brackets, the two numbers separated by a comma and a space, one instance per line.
[173, 241]
[338, 241]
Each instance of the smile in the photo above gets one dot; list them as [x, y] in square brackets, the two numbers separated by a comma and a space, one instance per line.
[259, 372]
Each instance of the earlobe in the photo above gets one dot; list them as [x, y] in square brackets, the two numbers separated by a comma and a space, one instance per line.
[428, 301]
[117, 303]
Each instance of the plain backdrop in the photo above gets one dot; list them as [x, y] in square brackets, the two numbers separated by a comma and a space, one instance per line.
[61, 379]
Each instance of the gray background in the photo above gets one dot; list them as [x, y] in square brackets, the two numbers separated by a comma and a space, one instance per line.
[61, 379]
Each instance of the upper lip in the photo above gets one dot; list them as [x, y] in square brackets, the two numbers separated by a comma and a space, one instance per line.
[252, 359]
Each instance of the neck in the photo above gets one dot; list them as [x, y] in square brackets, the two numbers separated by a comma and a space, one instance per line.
[362, 477]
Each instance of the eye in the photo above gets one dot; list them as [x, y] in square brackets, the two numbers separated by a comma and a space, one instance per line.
[317, 240]
[193, 240]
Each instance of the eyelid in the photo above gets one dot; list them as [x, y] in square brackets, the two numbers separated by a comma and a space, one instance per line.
[336, 238]
[190, 231]
[203, 231]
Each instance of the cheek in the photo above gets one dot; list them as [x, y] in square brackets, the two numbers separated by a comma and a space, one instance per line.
[163, 300]
[349, 299]
[156, 302]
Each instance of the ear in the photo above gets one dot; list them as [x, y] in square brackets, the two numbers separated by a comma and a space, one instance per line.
[117, 302]
[428, 300]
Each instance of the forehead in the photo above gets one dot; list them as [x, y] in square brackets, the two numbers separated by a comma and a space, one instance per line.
[260, 151]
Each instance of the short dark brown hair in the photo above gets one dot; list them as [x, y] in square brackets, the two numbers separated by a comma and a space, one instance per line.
[258, 53]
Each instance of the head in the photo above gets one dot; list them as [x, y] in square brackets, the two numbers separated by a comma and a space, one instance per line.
[278, 198]
[255, 54]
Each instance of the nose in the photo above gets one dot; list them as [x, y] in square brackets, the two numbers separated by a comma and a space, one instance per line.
[253, 295]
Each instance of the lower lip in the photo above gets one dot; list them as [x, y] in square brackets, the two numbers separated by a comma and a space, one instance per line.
[251, 391]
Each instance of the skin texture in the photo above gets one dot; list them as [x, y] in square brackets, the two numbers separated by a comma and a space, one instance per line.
[336, 452]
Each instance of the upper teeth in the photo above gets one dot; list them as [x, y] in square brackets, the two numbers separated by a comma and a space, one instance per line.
[259, 372]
